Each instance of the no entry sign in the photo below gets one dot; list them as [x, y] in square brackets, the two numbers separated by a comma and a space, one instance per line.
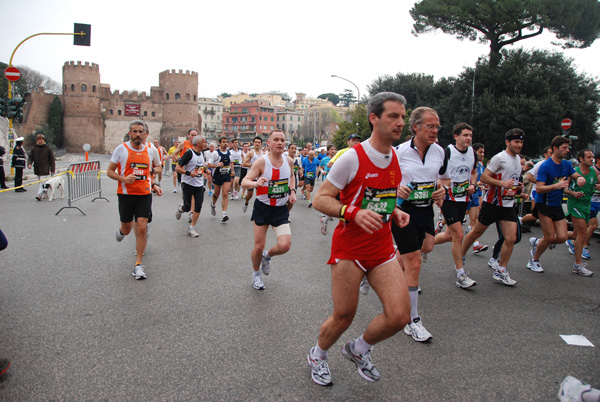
[565, 124]
[12, 74]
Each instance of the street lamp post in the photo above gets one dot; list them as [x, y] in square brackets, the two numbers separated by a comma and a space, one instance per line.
[358, 92]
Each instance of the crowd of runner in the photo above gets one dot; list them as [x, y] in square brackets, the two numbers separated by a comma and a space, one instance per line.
[383, 196]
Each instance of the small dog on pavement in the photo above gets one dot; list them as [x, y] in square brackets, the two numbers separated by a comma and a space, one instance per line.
[52, 185]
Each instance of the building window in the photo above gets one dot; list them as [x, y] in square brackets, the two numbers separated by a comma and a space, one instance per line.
[119, 112]
[83, 88]
[177, 96]
[65, 88]
[94, 88]
[145, 113]
[73, 87]
[167, 96]
[153, 114]
[110, 112]
[187, 96]
[194, 98]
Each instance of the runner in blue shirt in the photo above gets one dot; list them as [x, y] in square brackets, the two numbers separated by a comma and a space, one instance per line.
[309, 167]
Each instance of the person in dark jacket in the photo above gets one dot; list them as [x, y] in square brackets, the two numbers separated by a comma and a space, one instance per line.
[42, 159]
[2, 176]
[18, 162]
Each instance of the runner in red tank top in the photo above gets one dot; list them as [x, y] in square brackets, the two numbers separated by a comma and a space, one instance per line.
[366, 177]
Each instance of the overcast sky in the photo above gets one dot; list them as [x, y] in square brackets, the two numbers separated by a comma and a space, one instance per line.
[244, 46]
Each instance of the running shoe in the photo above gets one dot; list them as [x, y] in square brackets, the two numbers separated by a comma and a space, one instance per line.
[178, 213]
[190, 217]
[494, 263]
[210, 193]
[504, 277]
[571, 246]
[463, 281]
[585, 254]
[244, 207]
[366, 369]
[265, 264]
[533, 242]
[224, 219]
[4, 365]
[469, 228]
[364, 286]
[138, 272]
[213, 211]
[120, 236]
[310, 204]
[424, 258]
[324, 225]
[571, 389]
[551, 246]
[535, 266]
[439, 226]
[319, 368]
[581, 269]
[479, 248]
[417, 330]
[257, 281]
[235, 195]
[147, 231]
[192, 232]
[174, 190]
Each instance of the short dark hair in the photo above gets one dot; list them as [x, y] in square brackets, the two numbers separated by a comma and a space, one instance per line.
[581, 154]
[546, 149]
[458, 128]
[330, 146]
[558, 141]
[223, 138]
[257, 138]
[477, 146]
[375, 104]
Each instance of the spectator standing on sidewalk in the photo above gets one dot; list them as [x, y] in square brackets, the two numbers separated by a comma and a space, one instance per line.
[19, 159]
[42, 159]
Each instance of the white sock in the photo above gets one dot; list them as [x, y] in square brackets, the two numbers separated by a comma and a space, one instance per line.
[502, 269]
[318, 352]
[266, 255]
[224, 213]
[476, 244]
[459, 272]
[413, 293]
[256, 273]
[360, 346]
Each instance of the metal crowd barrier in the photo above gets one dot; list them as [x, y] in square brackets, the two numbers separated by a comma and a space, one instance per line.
[83, 180]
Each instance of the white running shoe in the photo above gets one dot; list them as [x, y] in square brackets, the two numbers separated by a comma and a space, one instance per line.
[265, 264]
[364, 286]
[571, 389]
[319, 367]
[366, 369]
[582, 270]
[257, 281]
[464, 282]
[417, 330]
[178, 213]
[213, 210]
[533, 243]
[174, 190]
[424, 258]
[504, 277]
[119, 236]
[138, 272]
[494, 264]
[535, 266]
[324, 225]
[244, 207]
[192, 232]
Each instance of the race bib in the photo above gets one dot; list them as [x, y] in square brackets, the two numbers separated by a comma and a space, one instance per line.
[422, 193]
[199, 170]
[236, 161]
[140, 170]
[278, 188]
[460, 189]
[296, 169]
[225, 170]
[382, 201]
[310, 175]
[509, 193]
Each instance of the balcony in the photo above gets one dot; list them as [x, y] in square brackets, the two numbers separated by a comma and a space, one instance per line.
[211, 112]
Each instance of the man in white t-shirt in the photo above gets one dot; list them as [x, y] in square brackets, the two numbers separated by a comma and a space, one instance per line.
[531, 217]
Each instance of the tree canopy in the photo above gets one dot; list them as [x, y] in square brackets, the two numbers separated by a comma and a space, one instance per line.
[30, 80]
[333, 98]
[575, 23]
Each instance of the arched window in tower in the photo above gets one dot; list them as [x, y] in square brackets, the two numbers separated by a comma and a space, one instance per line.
[177, 96]
[94, 88]
[187, 97]
[153, 114]
[145, 113]
[110, 112]
[65, 87]
[119, 112]
[72, 87]
[194, 98]
[167, 96]
[83, 88]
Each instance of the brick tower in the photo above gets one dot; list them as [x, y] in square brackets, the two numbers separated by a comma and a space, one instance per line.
[82, 119]
[180, 103]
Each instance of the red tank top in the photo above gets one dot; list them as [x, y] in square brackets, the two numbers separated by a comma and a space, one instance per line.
[138, 163]
[372, 188]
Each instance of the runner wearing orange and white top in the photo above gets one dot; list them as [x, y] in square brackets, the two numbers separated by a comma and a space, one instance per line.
[132, 166]
[162, 154]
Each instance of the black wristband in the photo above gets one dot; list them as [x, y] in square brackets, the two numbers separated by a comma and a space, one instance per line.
[294, 190]
[187, 173]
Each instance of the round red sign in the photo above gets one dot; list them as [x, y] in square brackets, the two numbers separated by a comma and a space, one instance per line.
[565, 124]
[12, 74]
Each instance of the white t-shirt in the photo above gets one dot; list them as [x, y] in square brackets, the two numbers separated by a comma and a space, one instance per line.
[344, 169]
[534, 172]
[236, 156]
[504, 167]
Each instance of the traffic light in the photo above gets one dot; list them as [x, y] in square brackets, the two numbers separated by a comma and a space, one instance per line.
[3, 103]
[18, 102]
[11, 109]
[573, 137]
[82, 40]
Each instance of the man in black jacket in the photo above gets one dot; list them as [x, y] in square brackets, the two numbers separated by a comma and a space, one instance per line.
[18, 161]
[42, 159]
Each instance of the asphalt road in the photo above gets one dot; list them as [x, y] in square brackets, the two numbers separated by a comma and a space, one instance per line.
[77, 326]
